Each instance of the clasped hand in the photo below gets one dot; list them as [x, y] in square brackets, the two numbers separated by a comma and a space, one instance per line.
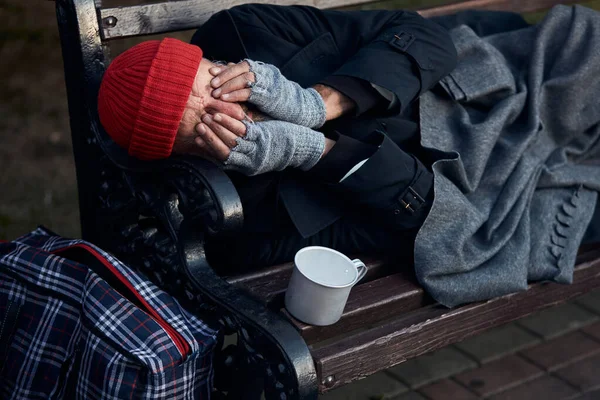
[218, 132]
[255, 148]
[265, 87]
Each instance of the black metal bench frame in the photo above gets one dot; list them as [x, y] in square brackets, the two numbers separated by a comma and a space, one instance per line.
[154, 215]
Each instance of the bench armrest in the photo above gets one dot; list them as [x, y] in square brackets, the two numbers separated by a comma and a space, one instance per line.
[200, 191]
[177, 203]
[206, 193]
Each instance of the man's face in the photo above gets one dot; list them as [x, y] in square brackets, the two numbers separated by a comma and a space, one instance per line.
[200, 103]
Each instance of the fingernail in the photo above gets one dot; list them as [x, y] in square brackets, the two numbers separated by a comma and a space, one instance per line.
[215, 70]
[216, 81]
[200, 128]
[217, 117]
[225, 96]
[217, 93]
[207, 118]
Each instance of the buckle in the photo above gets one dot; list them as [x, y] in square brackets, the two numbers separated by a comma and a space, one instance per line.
[402, 41]
[409, 199]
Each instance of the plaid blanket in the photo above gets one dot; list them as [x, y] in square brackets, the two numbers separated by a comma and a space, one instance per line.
[76, 323]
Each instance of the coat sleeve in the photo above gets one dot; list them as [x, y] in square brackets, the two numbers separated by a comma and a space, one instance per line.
[392, 187]
[397, 50]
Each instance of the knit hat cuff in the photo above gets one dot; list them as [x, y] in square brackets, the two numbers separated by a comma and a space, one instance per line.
[166, 93]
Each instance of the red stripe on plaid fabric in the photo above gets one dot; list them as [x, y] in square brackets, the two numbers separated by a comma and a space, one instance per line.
[178, 340]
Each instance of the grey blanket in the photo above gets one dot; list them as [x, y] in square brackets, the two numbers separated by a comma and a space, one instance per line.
[516, 129]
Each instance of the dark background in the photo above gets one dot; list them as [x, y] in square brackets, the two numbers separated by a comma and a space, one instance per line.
[37, 173]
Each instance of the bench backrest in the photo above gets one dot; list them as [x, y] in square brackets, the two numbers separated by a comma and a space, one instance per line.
[119, 22]
[86, 27]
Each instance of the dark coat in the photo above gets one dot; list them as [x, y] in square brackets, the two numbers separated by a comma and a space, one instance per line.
[397, 50]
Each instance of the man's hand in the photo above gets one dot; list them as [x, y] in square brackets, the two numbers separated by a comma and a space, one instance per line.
[264, 86]
[216, 136]
[259, 147]
[200, 103]
[233, 82]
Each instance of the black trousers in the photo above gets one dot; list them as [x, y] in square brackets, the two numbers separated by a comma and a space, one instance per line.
[269, 236]
[247, 251]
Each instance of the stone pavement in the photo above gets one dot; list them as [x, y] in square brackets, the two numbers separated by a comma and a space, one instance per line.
[554, 354]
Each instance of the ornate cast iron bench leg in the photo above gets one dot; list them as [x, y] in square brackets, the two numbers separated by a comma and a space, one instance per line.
[270, 354]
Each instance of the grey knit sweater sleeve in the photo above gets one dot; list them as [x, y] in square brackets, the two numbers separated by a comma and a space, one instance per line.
[283, 99]
[274, 146]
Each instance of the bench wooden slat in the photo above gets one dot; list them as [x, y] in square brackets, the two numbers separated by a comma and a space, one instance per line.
[272, 282]
[370, 303]
[186, 14]
[434, 327]
[520, 6]
[383, 293]
[190, 14]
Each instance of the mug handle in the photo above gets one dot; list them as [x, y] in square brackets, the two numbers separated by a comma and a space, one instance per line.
[361, 268]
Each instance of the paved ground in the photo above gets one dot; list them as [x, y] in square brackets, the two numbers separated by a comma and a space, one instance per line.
[552, 355]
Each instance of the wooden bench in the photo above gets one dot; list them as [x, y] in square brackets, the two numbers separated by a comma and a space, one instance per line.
[151, 214]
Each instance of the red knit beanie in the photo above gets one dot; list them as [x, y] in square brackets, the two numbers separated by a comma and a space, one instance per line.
[143, 95]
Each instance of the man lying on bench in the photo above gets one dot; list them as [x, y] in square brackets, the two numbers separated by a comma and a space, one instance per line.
[337, 165]
[316, 123]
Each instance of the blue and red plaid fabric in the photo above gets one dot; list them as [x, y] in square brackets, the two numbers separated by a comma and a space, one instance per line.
[66, 332]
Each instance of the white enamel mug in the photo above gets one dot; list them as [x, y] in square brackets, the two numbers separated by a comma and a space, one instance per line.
[320, 285]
